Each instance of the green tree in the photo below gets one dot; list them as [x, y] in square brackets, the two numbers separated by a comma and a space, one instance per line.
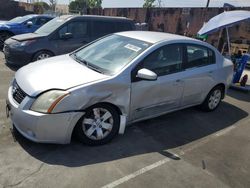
[94, 3]
[148, 3]
[40, 7]
[79, 5]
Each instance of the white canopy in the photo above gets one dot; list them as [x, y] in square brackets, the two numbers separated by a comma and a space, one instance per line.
[224, 20]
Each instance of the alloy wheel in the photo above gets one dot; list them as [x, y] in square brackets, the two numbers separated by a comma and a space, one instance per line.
[214, 99]
[98, 124]
[43, 56]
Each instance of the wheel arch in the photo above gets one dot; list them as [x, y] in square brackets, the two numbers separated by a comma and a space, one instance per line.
[223, 86]
[110, 104]
[42, 50]
[99, 103]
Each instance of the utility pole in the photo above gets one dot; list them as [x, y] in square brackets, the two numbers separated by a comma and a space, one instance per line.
[159, 2]
[208, 2]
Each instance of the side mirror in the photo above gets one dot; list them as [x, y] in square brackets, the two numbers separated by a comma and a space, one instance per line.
[29, 24]
[66, 36]
[146, 74]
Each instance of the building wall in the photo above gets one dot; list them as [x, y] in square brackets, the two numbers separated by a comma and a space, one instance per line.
[182, 21]
[27, 6]
[63, 9]
[10, 9]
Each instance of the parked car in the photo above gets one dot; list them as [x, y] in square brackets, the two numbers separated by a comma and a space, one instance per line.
[117, 80]
[20, 25]
[61, 35]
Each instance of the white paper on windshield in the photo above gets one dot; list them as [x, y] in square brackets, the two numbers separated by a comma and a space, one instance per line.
[132, 47]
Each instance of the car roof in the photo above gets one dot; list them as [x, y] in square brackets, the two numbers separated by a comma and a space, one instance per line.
[39, 15]
[154, 37]
[67, 17]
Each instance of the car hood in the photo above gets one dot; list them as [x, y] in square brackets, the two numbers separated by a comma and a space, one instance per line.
[61, 72]
[27, 36]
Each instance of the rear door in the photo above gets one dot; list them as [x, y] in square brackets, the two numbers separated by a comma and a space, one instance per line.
[80, 37]
[101, 28]
[199, 75]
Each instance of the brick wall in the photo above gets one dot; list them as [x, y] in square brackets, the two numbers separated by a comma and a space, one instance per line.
[177, 20]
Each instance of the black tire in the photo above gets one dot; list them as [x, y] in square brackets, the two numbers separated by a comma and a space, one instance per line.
[81, 134]
[206, 105]
[38, 55]
[4, 36]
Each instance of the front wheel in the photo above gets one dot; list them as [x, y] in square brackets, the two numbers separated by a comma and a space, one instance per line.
[213, 99]
[42, 55]
[99, 125]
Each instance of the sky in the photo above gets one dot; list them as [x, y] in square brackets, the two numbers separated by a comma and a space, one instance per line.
[167, 3]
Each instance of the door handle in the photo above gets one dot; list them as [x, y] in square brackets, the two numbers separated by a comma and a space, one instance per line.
[210, 72]
[177, 82]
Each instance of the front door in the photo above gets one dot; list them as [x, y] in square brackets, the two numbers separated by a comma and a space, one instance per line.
[152, 98]
[80, 37]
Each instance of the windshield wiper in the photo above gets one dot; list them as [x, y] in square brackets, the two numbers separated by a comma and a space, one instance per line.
[82, 61]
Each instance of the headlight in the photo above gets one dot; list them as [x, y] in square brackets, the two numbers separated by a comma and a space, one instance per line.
[24, 43]
[46, 102]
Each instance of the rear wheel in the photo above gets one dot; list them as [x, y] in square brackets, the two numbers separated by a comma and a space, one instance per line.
[42, 55]
[99, 125]
[4, 36]
[213, 99]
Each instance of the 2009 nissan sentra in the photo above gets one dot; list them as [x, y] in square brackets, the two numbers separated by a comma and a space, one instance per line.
[122, 78]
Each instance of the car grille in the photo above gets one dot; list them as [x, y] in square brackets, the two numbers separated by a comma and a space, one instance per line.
[17, 93]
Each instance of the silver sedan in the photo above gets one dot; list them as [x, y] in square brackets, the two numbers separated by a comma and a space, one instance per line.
[122, 78]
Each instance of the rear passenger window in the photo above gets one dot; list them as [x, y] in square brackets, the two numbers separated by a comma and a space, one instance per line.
[198, 56]
[101, 28]
[120, 26]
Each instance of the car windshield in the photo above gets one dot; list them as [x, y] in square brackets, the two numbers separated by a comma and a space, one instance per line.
[20, 19]
[50, 26]
[110, 54]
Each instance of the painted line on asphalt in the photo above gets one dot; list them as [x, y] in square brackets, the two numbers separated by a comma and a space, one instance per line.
[225, 131]
[136, 173]
[161, 162]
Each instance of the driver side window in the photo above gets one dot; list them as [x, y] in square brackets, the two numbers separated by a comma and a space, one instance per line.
[77, 29]
[165, 60]
[62, 31]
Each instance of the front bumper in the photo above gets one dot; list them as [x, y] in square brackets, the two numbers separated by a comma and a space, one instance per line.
[39, 127]
[16, 57]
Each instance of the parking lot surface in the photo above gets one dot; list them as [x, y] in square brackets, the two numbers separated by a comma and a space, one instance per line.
[188, 148]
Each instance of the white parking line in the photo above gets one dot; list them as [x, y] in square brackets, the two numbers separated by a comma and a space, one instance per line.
[137, 173]
[226, 130]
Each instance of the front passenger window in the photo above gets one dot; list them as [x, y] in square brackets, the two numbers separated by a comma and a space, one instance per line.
[165, 60]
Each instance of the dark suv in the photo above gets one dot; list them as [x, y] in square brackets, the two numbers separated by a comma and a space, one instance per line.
[61, 35]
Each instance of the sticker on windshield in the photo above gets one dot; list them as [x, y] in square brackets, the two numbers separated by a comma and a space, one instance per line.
[133, 47]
